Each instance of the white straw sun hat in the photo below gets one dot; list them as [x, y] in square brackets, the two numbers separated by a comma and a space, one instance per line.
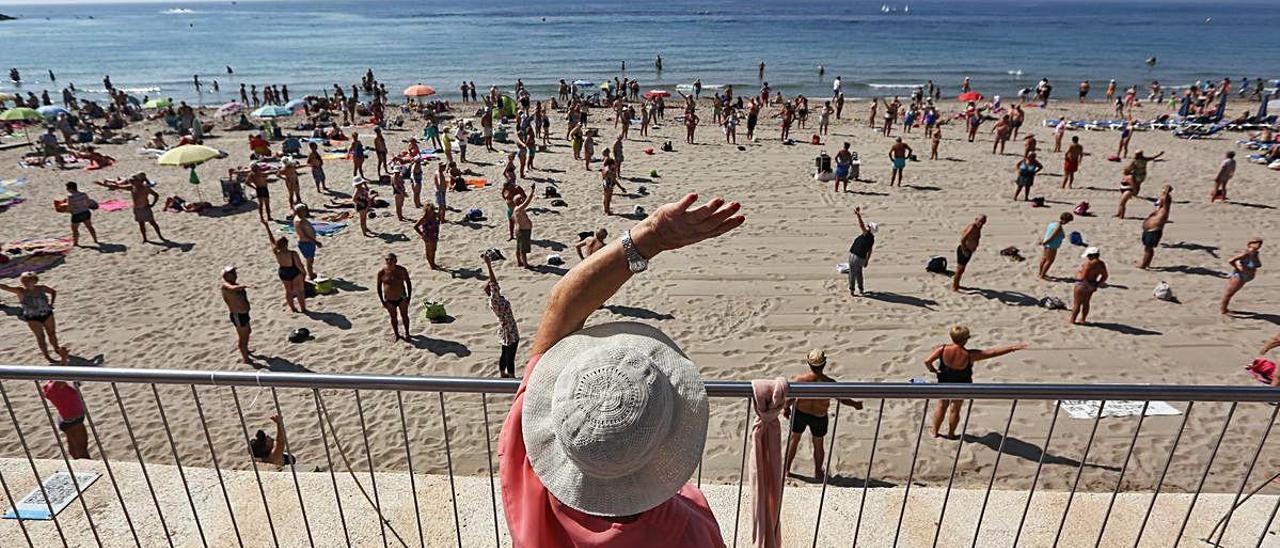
[615, 419]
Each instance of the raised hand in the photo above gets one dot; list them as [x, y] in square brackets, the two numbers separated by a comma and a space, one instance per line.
[678, 224]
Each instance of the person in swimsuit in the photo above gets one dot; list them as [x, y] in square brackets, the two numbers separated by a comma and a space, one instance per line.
[428, 227]
[380, 150]
[292, 277]
[1126, 134]
[356, 152]
[1225, 172]
[936, 138]
[307, 241]
[237, 298]
[316, 163]
[268, 450]
[362, 201]
[1135, 174]
[81, 207]
[844, 164]
[398, 191]
[1091, 276]
[512, 194]
[441, 182]
[1153, 226]
[811, 414]
[898, 154]
[1054, 234]
[144, 198]
[608, 182]
[1244, 267]
[395, 289]
[1027, 168]
[1071, 162]
[66, 398]
[524, 228]
[969, 240]
[257, 179]
[37, 312]
[954, 364]
[289, 174]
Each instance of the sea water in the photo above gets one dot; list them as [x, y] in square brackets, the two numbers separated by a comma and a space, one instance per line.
[154, 48]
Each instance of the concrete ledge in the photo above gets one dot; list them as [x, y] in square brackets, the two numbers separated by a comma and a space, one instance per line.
[476, 513]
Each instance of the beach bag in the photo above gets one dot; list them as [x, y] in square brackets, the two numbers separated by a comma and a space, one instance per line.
[1163, 292]
[299, 335]
[1038, 201]
[1053, 303]
[653, 174]
[559, 203]
[474, 214]
[1262, 370]
[432, 311]
[550, 192]
[492, 254]
[555, 260]
[639, 211]
[936, 265]
[1082, 209]
[1076, 238]
[324, 286]
[666, 146]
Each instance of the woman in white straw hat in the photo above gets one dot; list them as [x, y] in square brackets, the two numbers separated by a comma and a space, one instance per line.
[1091, 276]
[610, 421]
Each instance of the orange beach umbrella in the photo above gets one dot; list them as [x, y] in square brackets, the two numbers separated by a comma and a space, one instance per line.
[419, 90]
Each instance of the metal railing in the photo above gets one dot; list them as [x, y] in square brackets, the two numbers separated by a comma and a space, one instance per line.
[106, 383]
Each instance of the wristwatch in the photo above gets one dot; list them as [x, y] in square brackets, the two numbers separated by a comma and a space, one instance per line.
[636, 262]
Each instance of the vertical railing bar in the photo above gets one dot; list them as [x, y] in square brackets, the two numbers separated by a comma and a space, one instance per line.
[408, 455]
[1160, 482]
[324, 436]
[986, 495]
[53, 427]
[373, 478]
[1084, 458]
[1266, 527]
[1123, 468]
[1190, 507]
[700, 470]
[822, 497]
[142, 463]
[34, 472]
[911, 474]
[266, 507]
[213, 455]
[448, 454]
[742, 471]
[293, 470]
[21, 522]
[1245, 480]
[488, 451]
[182, 475]
[1031, 493]
[866, 480]
[955, 462]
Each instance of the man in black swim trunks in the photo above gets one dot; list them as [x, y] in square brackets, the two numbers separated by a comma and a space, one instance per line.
[237, 298]
[811, 414]
[968, 244]
[1153, 226]
[395, 288]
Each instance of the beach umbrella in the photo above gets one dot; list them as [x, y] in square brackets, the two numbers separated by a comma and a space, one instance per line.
[583, 83]
[158, 103]
[419, 90]
[188, 155]
[51, 111]
[272, 111]
[970, 96]
[295, 104]
[20, 114]
[656, 93]
[234, 107]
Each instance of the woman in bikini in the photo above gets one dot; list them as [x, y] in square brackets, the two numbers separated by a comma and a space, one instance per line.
[37, 311]
[1091, 276]
[362, 201]
[428, 227]
[1244, 267]
[608, 181]
[289, 269]
[955, 365]
[1134, 175]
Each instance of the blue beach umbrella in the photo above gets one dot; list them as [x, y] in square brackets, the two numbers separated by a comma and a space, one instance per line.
[295, 104]
[272, 111]
[51, 111]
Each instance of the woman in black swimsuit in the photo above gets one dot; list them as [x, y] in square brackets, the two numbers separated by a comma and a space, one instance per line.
[955, 365]
[37, 312]
[290, 271]
[362, 201]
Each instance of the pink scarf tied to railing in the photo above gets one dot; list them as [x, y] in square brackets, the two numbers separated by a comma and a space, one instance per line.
[766, 463]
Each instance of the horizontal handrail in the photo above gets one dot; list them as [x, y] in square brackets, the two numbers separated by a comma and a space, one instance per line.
[415, 383]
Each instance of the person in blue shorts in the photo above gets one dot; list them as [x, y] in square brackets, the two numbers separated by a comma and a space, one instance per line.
[898, 154]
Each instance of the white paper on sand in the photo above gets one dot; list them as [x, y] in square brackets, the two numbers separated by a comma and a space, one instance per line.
[61, 492]
[1088, 409]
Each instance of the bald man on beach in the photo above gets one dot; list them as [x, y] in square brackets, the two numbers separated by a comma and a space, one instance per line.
[144, 199]
[1071, 162]
[811, 414]
[898, 154]
[1153, 226]
[237, 298]
[969, 240]
[395, 289]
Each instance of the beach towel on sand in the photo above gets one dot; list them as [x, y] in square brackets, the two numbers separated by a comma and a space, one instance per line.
[33, 255]
[114, 205]
[323, 228]
[1088, 409]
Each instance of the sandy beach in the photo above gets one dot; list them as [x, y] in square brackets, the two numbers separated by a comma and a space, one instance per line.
[746, 306]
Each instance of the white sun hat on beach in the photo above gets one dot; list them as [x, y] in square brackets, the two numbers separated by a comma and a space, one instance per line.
[873, 227]
[1090, 251]
[615, 419]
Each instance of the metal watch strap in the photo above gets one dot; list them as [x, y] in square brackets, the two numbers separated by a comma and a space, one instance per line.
[635, 262]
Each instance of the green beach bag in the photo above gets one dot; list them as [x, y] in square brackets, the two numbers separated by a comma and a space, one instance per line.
[432, 311]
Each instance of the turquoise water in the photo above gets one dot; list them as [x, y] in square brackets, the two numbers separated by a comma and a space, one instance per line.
[309, 45]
